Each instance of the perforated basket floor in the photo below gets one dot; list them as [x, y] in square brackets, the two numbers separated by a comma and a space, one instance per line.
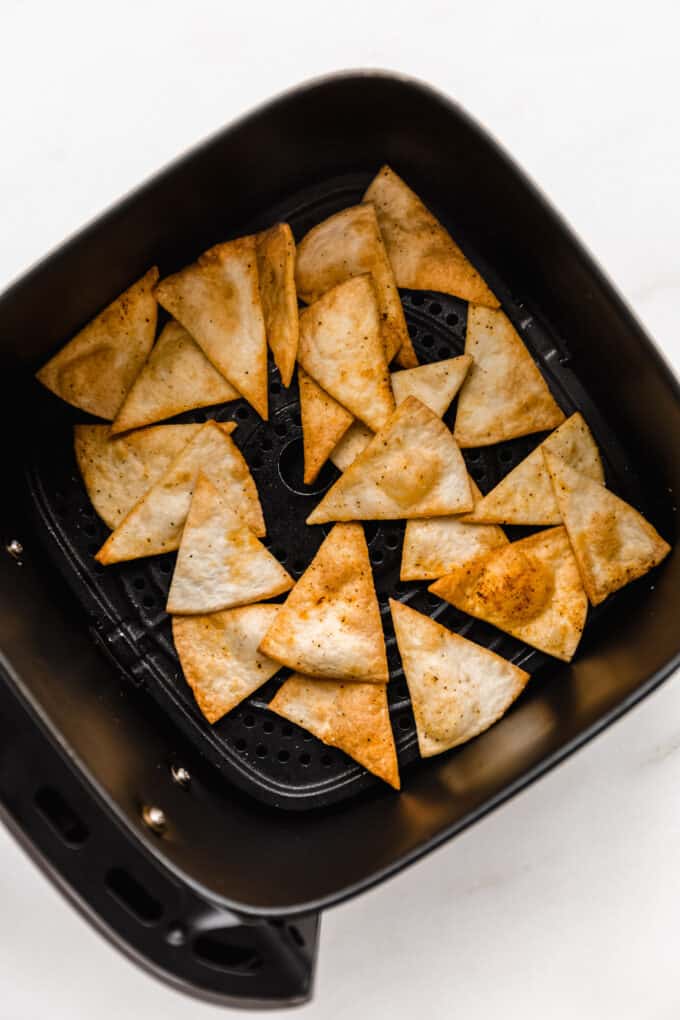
[273, 760]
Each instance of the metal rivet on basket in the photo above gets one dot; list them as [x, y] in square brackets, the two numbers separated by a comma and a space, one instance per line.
[180, 776]
[15, 549]
[154, 818]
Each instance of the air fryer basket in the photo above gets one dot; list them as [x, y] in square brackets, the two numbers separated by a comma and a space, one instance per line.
[100, 727]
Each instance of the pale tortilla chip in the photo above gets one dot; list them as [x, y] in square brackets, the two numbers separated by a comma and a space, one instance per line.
[219, 656]
[423, 254]
[324, 422]
[176, 377]
[349, 244]
[340, 347]
[118, 471]
[530, 589]
[458, 689]
[437, 546]
[504, 394]
[95, 370]
[612, 542]
[525, 495]
[220, 563]
[352, 717]
[217, 299]
[276, 269]
[330, 624]
[154, 525]
[435, 385]
[411, 468]
[350, 446]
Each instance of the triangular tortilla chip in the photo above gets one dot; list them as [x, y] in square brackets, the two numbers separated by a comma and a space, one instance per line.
[458, 689]
[525, 495]
[95, 370]
[530, 589]
[352, 717]
[349, 244]
[435, 547]
[217, 299]
[219, 656]
[423, 254]
[435, 385]
[356, 438]
[504, 394]
[276, 269]
[220, 563]
[118, 470]
[176, 377]
[340, 347]
[411, 468]
[330, 623]
[324, 422]
[612, 542]
[154, 525]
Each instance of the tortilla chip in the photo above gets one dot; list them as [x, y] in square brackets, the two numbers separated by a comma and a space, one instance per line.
[530, 589]
[95, 370]
[176, 377]
[276, 269]
[220, 563]
[436, 547]
[525, 495]
[423, 254]
[330, 623]
[504, 394]
[340, 347]
[411, 468]
[118, 471]
[219, 656]
[356, 438]
[349, 244]
[352, 717]
[435, 385]
[612, 542]
[324, 422]
[458, 689]
[154, 525]
[217, 299]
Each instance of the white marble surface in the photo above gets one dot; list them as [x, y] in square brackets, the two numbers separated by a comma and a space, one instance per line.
[564, 903]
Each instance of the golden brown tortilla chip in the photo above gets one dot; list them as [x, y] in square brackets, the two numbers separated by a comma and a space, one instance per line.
[434, 385]
[530, 589]
[356, 438]
[276, 268]
[95, 370]
[504, 394]
[612, 542]
[352, 717]
[423, 254]
[458, 689]
[219, 656]
[330, 624]
[217, 299]
[324, 422]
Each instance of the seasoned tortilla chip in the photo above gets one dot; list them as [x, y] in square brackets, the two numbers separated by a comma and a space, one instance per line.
[95, 370]
[154, 525]
[423, 254]
[458, 689]
[276, 269]
[411, 468]
[324, 422]
[330, 623]
[220, 563]
[530, 589]
[504, 394]
[435, 385]
[356, 438]
[217, 299]
[435, 547]
[612, 542]
[525, 495]
[352, 717]
[219, 656]
[349, 244]
[340, 347]
[118, 470]
[176, 377]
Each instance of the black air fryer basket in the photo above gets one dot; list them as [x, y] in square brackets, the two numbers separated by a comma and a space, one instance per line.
[206, 853]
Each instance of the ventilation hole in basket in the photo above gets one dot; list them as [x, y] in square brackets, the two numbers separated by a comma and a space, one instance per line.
[261, 751]
[165, 568]
[149, 602]
[298, 566]
[139, 583]
[256, 463]
[248, 720]
[417, 299]
[432, 600]
[371, 530]
[307, 738]
[267, 444]
[478, 472]
[443, 352]
[451, 319]
[220, 951]
[240, 744]
[61, 816]
[305, 759]
[505, 455]
[427, 341]
[283, 757]
[268, 726]
[392, 540]
[399, 687]
[472, 455]
[275, 387]
[326, 761]
[377, 557]
[132, 895]
[404, 723]
[402, 587]
[281, 430]
[286, 731]
[243, 413]
[435, 308]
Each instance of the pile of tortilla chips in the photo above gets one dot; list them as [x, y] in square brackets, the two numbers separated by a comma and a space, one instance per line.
[369, 408]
